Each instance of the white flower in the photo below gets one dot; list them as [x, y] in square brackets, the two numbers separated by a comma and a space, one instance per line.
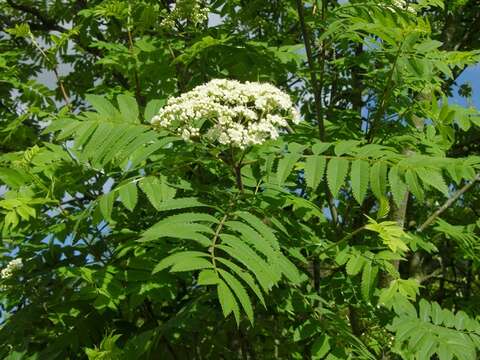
[229, 112]
[181, 10]
[189, 132]
[12, 266]
[402, 4]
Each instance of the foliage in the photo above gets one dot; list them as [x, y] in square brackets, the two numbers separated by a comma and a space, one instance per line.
[352, 234]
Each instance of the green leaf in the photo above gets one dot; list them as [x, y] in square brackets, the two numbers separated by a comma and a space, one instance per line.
[427, 45]
[157, 191]
[93, 145]
[314, 170]
[378, 179]
[368, 279]
[250, 259]
[436, 314]
[383, 208]
[261, 227]
[240, 292]
[245, 276]
[145, 152]
[13, 178]
[105, 147]
[253, 238]
[195, 263]
[189, 217]
[84, 132]
[128, 195]
[152, 108]
[11, 220]
[319, 148]
[128, 108]
[388, 294]
[342, 256]
[354, 265]
[130, 139]
[226, 298]
[321, 347]
[179, 257]
[106, 205]
[337, 170]
[180, 203]
[345, 147]
[15, 355]
[359, 176]
[391, 234]
[397, 186]
[102, 105]
[289, 270]
[444, 352]
[285, 166]
[414, 185]
[186, 231]
[208, 277]
[433, 178]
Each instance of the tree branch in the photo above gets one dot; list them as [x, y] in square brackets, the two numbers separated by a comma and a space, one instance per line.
[138, 89]
[387, 91]
[46, 21]
[317, 92]
[448, 203]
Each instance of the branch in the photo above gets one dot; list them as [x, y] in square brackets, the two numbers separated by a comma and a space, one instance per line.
[55, 71]
[317, 91]
[47, 22]
[138, 89]
[448, 203]
[387, 91]
[345, 238]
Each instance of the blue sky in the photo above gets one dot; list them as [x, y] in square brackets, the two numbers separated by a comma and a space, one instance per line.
[472, 77]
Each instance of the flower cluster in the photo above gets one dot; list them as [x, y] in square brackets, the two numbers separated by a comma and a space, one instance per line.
[229, 112]
[12, 266]
[402, 4]
[190, 10]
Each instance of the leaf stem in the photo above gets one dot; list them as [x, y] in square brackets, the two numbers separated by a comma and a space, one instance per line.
[214, 240]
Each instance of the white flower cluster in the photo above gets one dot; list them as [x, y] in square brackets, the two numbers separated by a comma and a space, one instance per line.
[403, 4]
[12, 266]
[229, 112]
[190, 10]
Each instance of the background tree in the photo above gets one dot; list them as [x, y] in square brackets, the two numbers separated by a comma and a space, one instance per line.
[129, 234]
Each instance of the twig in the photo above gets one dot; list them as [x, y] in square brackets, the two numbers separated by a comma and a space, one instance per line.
[46, 21]
[238, 177]
[385, 96]
[345, 238]
[448, 203]
[317, 93]
[138, 89]
[313, 77]
[57, 76]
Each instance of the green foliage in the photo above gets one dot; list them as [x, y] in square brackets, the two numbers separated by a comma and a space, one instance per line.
[336, 172]
[391, 234]
[434, 330]
[352, 235]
